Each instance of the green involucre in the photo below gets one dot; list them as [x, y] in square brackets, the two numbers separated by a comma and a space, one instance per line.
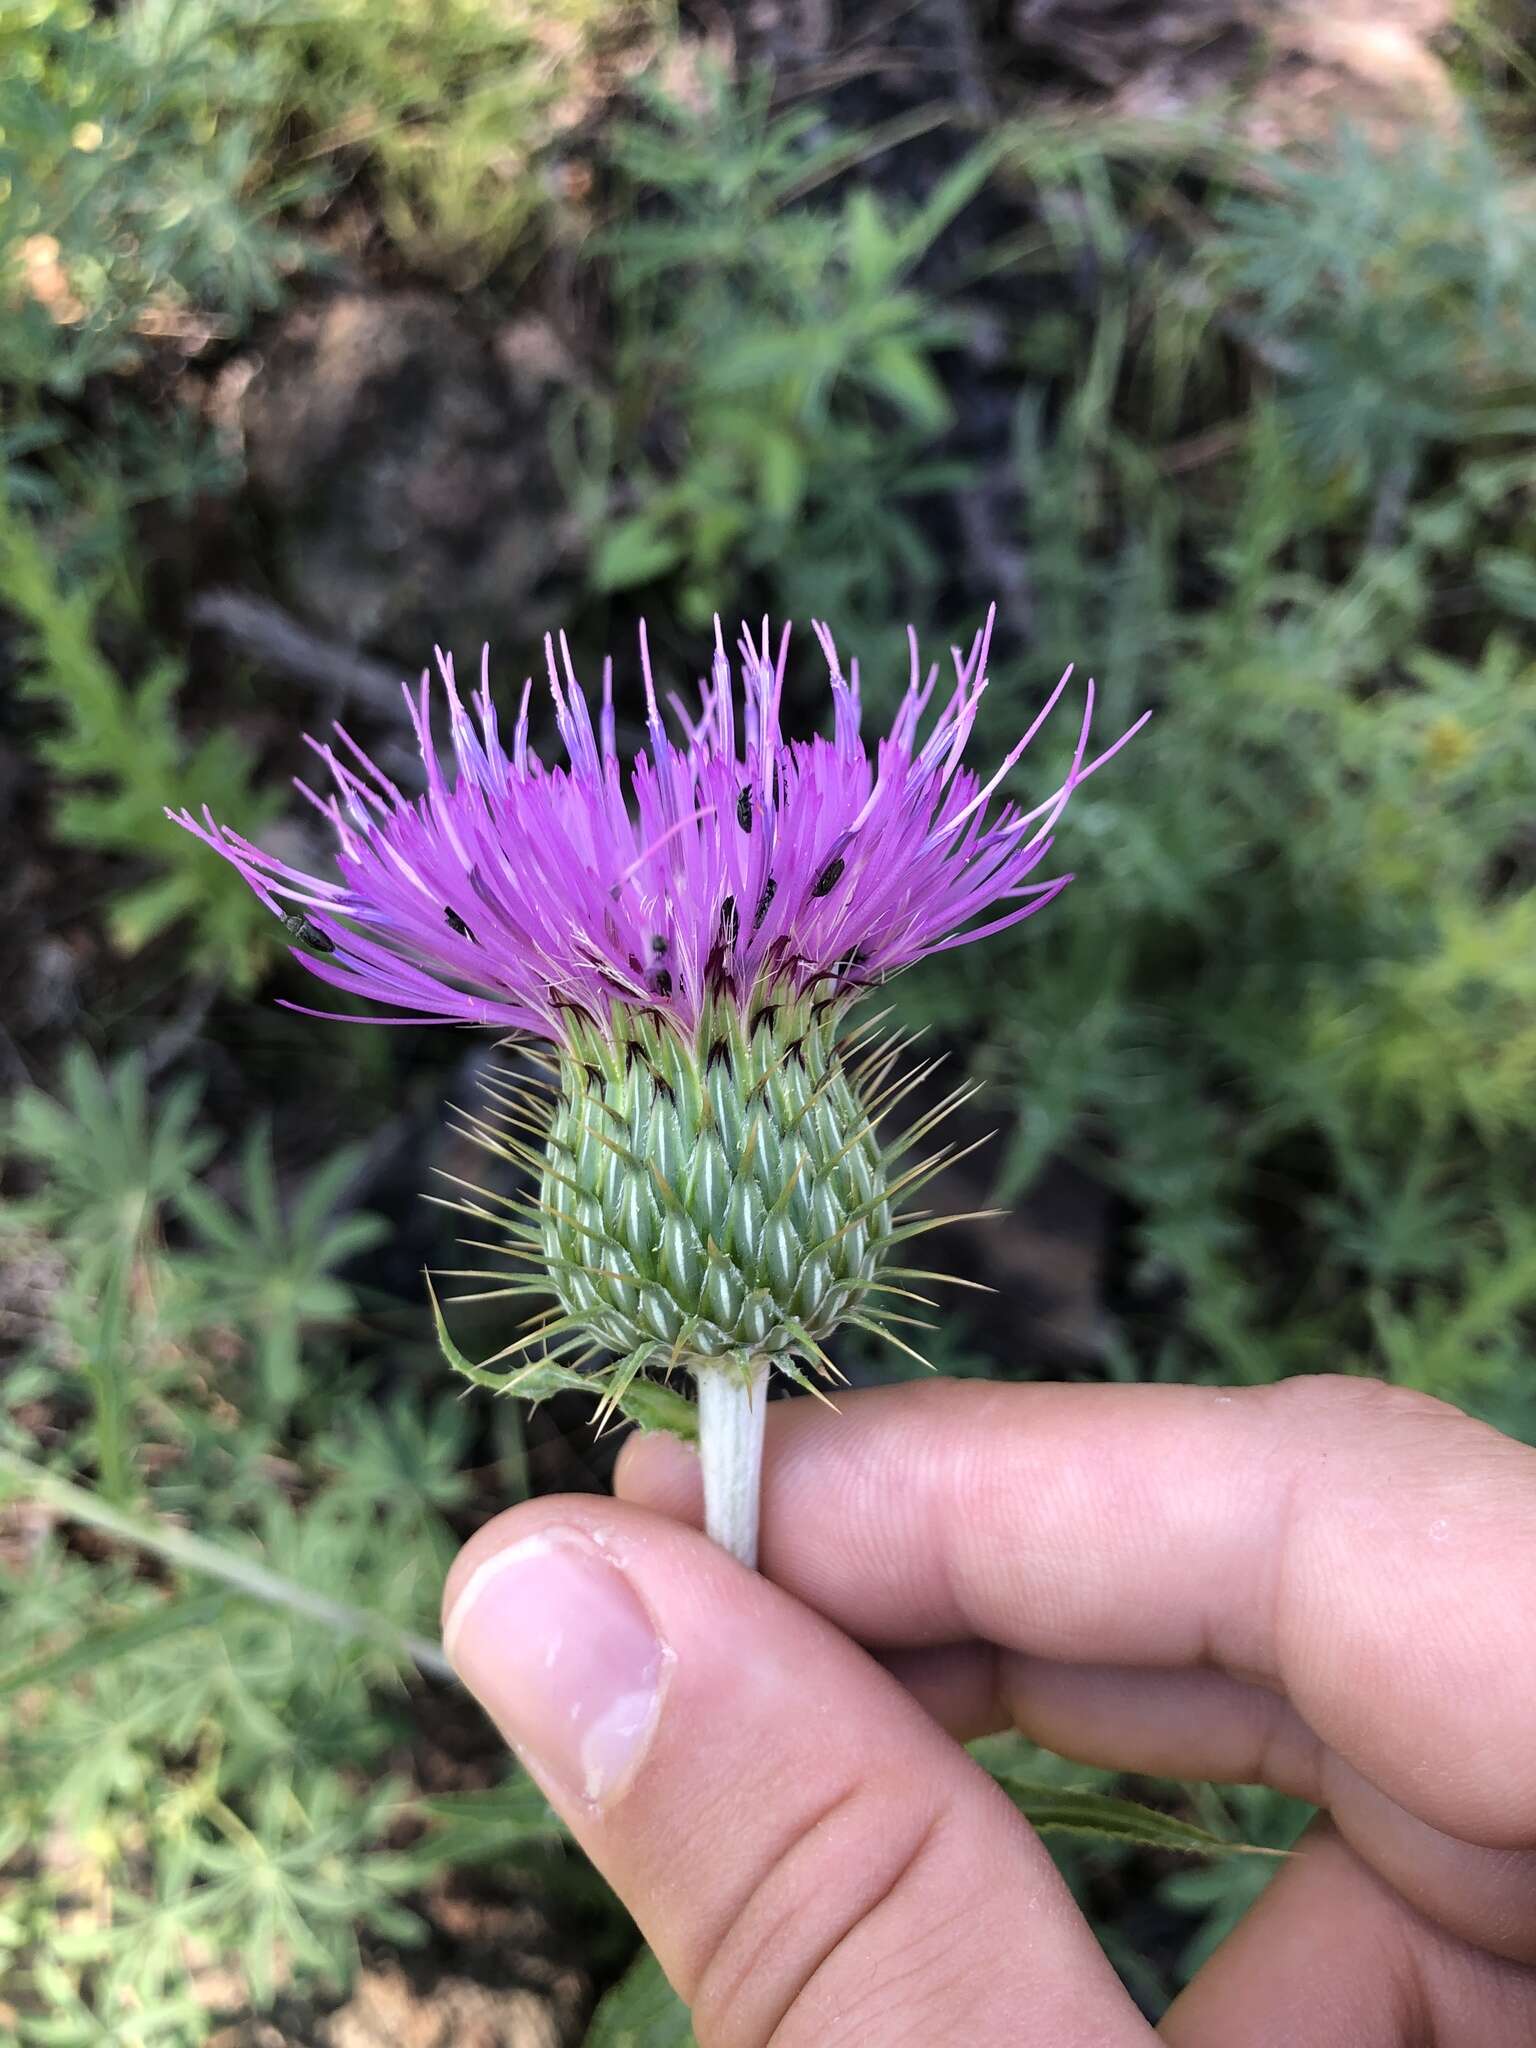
[720, 1197]
[717, 1197]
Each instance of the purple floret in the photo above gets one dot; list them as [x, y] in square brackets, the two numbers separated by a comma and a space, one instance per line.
[511, 893]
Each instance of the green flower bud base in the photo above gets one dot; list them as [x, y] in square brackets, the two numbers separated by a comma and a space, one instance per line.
[713, 1200]
[719, 1201]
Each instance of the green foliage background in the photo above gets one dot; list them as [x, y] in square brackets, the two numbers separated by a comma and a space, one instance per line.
[1266, 433]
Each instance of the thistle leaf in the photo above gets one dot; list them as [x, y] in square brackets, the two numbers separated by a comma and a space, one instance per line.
[1081, 1810]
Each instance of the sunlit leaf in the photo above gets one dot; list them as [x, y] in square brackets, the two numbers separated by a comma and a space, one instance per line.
[641, 2011]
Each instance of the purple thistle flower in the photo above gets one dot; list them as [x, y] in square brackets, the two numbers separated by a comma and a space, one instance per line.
[727, 860]
[716, 1197]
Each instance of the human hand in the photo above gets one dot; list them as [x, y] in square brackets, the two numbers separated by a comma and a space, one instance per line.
[1327, 1586]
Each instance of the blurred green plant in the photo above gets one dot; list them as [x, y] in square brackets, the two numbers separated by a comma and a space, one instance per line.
[1215, 1894]
[157, 160]
[164, 169]
[136, 196]
[196, 1731]
[454, 114]
[112, 1165]
[774, 394]
[111, 1168]
[641, 2011]
[120, 759]
[1396, 294]
[143, 219]
[271, 1273]
[1289, 1015]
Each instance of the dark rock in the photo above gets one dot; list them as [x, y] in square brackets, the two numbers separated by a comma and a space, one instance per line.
[1116, 43]
[1287, 70]
[399, 454]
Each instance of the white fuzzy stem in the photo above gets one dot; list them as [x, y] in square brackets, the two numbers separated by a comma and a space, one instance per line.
[731, 1415]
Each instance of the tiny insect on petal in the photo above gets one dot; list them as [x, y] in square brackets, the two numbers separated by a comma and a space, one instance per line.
[586, 875]
[307, 934]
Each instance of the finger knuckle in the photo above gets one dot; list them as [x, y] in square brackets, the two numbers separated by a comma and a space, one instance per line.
[1333, 1401]
[811, 1899]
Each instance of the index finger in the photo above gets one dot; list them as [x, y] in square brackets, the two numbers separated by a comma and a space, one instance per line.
[1368, 1551]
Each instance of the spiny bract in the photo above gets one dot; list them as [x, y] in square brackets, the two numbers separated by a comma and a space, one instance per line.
[716, 1197]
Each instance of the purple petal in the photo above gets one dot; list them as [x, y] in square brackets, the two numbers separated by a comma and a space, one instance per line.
[511, 892]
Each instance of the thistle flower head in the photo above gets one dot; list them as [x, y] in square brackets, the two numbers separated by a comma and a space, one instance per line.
[726, 862]
[713, 1186]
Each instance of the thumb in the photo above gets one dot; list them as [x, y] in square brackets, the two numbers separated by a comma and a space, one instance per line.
[811, 1858]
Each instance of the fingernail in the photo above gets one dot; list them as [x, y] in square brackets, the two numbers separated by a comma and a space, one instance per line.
[550, 1638]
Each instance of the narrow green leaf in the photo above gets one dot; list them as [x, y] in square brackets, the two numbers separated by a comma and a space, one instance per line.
[654, 1406]
[1084, 1812]
[1509, 577]
[451, 1352]
[901, 373]
[646, 1402]
[99, 1646]
[781, 473]
[632, 553]
[538, 1382]
[479, 1827]
[246, 1574]
[515, 1807]
[950, 196]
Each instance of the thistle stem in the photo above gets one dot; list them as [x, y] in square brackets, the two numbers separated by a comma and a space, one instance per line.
[732, 1409]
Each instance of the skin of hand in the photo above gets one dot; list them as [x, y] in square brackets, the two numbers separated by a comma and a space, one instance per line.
[1327, 1586]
